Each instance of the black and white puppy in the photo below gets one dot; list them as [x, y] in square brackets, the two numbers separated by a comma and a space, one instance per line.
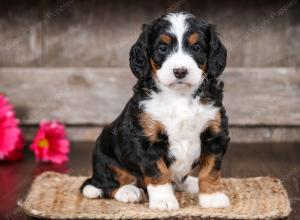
[174, 121]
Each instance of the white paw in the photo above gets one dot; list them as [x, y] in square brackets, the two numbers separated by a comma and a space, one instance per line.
[164, 204]
[162, 197]
[129, 194]
[189, 185]
[92, 192]
[214, 200]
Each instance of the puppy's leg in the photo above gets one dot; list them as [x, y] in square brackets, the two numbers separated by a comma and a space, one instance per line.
[91, 191]
[157, 176]
[211, 195]
[159, 187]
[214, 143]
[103, 181]
[100, 185]
[121, 186]
[128, 192]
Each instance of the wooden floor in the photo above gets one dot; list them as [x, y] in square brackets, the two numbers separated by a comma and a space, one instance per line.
[242, 160]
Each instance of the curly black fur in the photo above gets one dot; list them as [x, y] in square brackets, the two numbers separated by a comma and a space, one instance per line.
[124, 144]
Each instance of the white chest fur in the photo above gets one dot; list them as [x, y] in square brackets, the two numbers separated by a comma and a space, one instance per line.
[184, 119]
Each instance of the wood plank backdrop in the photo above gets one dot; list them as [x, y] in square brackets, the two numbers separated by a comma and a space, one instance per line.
[265, 98]
[99, 33]
[68, 59]
[95, 96]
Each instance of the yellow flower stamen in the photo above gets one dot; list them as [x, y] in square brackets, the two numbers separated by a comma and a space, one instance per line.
[43, 143]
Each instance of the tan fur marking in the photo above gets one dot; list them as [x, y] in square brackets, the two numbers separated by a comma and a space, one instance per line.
[123, 176]
[151, 127]
[153, 66]
[215, 125]
[165, 175]
[165, 38]
[203, 67]
[209, 179]
[193, 38]
[113, 193]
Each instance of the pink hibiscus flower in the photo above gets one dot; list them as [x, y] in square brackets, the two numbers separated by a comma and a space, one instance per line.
[50, 143]
[11, 139]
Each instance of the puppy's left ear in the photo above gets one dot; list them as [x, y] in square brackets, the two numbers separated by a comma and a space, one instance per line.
[138, 55]
[217, 54]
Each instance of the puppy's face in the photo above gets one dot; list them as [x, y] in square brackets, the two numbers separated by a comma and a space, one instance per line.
[178, 51]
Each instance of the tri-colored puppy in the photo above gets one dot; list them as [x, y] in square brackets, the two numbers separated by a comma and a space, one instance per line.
[174, 121]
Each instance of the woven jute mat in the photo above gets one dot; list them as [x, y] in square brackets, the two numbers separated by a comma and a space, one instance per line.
[56, 196]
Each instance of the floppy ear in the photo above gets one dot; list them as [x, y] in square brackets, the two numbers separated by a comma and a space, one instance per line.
[217, 54]
[138, 55]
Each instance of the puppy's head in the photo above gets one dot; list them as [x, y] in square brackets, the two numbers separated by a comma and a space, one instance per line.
[177, 51]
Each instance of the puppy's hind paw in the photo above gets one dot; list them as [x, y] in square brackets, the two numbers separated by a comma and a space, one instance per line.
[129, 194]
[92, 192]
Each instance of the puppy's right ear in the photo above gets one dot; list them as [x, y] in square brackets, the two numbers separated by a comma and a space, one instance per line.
[138, 55]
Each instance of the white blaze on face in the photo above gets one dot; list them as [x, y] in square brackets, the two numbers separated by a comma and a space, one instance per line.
[179, 58]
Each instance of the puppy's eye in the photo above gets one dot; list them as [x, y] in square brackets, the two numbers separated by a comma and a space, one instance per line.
[163, 48]
[196, 48]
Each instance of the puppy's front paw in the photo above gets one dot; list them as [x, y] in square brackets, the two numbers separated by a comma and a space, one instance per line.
[214, 200]
[129, 194]
[162, 197]
[164, 203]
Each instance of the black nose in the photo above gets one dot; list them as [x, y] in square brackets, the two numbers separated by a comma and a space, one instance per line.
[180, 73]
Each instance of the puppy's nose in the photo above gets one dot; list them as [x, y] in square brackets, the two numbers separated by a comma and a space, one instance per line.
[180, 73]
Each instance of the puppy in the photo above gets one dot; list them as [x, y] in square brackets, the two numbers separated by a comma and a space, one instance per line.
[174, 121]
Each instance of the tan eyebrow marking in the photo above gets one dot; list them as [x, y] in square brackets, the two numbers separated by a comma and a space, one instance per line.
[165, 38]
[193, 38]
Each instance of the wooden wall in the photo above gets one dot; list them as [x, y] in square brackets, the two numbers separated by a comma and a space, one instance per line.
[69, 60]
[93, 33]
